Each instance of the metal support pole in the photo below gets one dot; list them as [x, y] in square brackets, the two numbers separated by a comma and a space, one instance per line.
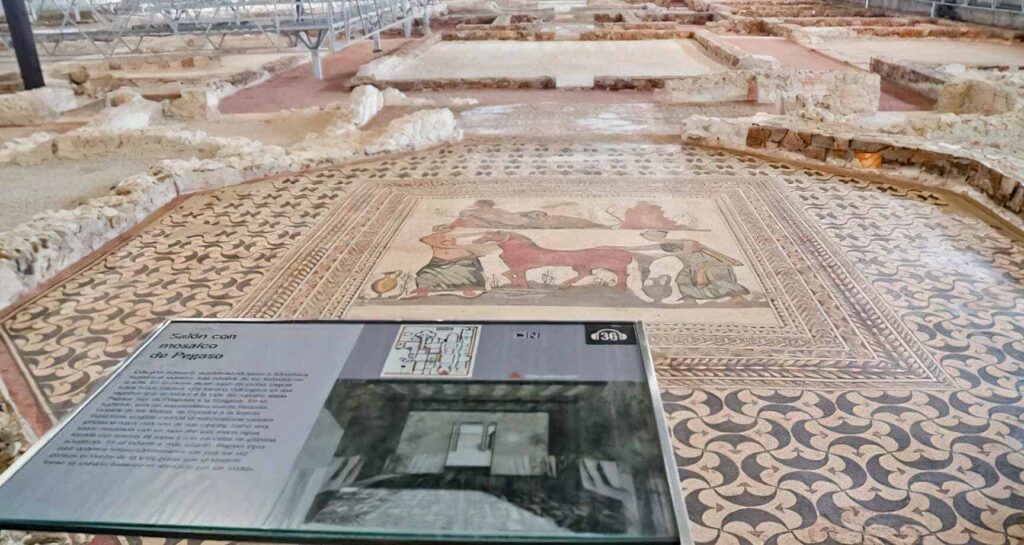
[318, 69]
[407, 14]
[426, 19]
[376, 42]
[24, 43]
[345, 17]
[332, 42]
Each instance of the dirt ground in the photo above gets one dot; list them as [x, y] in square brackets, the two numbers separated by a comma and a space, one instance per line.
[63, 184]
[296, 88]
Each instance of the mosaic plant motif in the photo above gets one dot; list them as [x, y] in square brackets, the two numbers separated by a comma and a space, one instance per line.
[877, 398]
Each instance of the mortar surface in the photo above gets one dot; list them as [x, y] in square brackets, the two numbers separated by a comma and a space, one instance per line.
[513, 59]
[858, 51]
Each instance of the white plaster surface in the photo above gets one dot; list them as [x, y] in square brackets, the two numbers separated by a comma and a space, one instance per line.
[858, 51]
[586, 120]
[521, 59]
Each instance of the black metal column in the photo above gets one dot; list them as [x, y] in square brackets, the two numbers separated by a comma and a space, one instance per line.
[24, 43]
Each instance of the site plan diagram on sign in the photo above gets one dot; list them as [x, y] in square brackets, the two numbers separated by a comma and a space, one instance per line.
[433, 351]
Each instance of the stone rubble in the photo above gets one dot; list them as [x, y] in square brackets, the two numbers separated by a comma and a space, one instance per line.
[35, 106]
[12, 444]
[12, 537]
[35, 251]
[983, 174]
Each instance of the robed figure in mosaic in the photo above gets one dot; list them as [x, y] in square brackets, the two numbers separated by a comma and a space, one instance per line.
[453, 267]
[706, 273]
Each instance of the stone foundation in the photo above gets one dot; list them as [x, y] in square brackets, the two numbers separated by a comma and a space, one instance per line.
[996, 177]
[39, 249]
[35, 106]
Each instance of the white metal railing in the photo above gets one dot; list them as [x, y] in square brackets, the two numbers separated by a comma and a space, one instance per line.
[117, 27]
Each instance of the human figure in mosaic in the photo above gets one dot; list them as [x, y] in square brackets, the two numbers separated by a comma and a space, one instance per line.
[647, 215]
[453, 267]
[484, 213]
[706, 273]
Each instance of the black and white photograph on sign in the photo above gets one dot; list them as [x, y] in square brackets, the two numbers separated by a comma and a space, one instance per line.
[433, 351]
[464, 457]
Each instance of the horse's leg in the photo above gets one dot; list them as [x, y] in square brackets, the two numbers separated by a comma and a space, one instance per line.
[581, 272]
[517, 276]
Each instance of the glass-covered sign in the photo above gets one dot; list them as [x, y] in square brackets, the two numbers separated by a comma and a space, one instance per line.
[299, 431]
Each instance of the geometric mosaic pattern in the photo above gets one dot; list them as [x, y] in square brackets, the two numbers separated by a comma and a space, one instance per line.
[908, 427]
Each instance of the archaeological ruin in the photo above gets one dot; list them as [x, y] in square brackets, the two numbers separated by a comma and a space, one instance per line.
[814, 207]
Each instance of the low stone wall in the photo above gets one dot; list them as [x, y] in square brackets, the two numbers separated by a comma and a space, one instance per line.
[636, 31]
[976, 91]
[732, 55]
[12, 444]
[979, 97]
[820, 93]
[541, 82]
[513, 31]
[685, 17]
[745, 26]
[730, 86]
[998, 177]
[35, 106]
[921, 78]
[813, 93]
[39, 249]
[1003, 132]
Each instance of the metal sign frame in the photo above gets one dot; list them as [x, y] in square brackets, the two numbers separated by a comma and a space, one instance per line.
[306, 536]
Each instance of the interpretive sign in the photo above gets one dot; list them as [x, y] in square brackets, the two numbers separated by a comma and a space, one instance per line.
[356, 431]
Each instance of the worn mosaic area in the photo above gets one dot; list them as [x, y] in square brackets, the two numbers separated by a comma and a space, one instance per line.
[840, 362]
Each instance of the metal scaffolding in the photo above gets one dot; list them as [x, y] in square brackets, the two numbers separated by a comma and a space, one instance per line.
[119, 27]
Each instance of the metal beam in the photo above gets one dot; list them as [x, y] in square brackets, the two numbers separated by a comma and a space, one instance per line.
[24, 43]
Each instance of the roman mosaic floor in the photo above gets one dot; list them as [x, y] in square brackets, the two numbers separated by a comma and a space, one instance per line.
[849, 368]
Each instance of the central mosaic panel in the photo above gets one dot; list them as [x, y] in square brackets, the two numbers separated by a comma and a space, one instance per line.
[735, 284]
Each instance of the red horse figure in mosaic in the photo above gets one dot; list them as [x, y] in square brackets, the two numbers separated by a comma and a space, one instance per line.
[521, 254]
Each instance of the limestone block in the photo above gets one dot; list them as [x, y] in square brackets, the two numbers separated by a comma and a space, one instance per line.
[194, 103]
[1016, 201]
[734, 85]
[14, 537]
[792, 142]
[416, 131]
[363, 104]
[716, 131]
[394, 97]
[190, 175]
[978, 96]
[78, 74]
[819, 93]
[37, 105]
[12, 284]
[757, 137]
[147, 189]
[122, 95]
[137, 113]
[28, 150]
